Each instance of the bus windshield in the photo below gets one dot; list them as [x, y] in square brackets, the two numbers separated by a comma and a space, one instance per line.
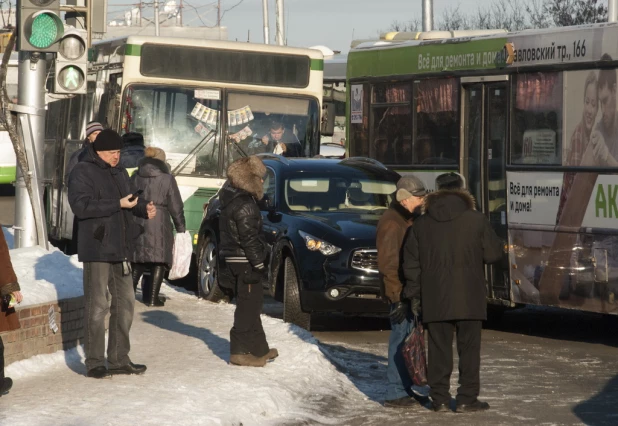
[185, 122]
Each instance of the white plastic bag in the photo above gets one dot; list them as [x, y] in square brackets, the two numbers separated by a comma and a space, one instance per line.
[183, 248]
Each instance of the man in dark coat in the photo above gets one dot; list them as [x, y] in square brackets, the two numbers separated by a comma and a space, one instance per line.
[132, 150]
[243, 251]
[392, 229]
[100, 196]
[280, 141]
[92, 131]
[444, 258]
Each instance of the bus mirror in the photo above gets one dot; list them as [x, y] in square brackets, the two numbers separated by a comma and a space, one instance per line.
[328, 119]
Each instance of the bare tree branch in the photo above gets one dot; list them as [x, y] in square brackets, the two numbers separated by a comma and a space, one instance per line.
[10, 122]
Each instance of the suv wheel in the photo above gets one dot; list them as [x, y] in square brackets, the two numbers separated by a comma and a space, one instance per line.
[208, 272]
[292, 311]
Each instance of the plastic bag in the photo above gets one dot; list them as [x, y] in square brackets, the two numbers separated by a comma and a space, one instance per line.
[415, 356]
[183, 249]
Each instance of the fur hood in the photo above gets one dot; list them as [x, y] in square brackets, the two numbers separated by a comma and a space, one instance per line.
[447, 204]
[246, 173]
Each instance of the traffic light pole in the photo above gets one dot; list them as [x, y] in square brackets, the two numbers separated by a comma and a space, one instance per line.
[30, 227]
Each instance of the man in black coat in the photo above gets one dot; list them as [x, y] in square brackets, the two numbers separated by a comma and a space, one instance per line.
[243, 251]
[100, 196]
[443, 263]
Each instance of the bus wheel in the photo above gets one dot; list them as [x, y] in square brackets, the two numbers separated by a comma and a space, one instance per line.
[208, 272]
[292, 311]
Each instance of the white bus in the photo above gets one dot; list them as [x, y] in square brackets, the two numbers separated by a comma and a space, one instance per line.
[187, 96]
[531, 120]
[7, 152]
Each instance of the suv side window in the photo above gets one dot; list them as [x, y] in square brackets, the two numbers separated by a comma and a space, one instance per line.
[270, 185]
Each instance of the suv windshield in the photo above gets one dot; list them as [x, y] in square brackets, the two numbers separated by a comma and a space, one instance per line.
[338, 192]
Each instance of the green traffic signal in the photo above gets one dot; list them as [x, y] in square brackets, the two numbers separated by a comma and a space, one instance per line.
[45, 29]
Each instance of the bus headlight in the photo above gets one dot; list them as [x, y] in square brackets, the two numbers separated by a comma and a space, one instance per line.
[316, 244]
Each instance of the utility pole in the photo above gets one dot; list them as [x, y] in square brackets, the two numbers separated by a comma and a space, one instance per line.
[265, 15]
[612, 11]
[219, 13]
[427, 15]
[280, 24]
[31, 112]
[180, 12]
[156, 17]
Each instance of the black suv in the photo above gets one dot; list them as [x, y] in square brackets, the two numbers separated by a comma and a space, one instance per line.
[320, 218]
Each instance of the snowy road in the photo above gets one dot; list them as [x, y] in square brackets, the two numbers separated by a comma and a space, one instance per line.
[561, 373]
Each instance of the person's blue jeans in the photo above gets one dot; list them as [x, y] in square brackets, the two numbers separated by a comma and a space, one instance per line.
[399, 382]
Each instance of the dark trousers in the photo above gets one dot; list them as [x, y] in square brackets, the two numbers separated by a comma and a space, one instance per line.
[1, 360]
[98, 278]
[247, 334]
[440, 362]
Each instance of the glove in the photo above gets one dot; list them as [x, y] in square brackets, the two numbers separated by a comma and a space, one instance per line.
[399, 312]
[416, 306]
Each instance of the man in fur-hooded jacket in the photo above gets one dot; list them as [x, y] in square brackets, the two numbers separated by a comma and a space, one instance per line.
[443, 263]
[243, 252]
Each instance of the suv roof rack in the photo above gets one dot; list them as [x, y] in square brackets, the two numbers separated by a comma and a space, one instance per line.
[271, 156]
[364, 160]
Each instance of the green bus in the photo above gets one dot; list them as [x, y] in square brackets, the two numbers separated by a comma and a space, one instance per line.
[530, 120]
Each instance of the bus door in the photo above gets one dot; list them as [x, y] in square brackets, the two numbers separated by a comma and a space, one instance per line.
[485, 111]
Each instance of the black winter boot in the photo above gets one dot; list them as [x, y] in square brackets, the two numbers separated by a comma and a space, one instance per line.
[156, 276]
[147, 287]
[136, 275]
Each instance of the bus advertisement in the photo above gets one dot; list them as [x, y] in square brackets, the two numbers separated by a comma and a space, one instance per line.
[530, 119]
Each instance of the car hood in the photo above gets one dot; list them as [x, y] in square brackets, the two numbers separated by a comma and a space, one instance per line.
[350, 226]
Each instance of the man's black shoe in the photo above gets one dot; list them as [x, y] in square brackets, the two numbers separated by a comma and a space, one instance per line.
[470, 408]
[130, 368]
[405, 402]
[98, 372]
[5, 385]
[439, 408]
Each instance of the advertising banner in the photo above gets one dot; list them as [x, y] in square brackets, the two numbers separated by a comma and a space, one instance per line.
[533, 198]
[356, 109]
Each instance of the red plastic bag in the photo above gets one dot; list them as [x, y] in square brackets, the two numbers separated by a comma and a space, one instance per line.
[415, 356]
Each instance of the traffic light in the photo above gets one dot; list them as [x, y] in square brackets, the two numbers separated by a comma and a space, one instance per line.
[72, 62]
[39, 25]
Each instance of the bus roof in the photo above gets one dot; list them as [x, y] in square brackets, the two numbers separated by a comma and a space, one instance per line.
[139, 40]
[556, 46]
[335, 68]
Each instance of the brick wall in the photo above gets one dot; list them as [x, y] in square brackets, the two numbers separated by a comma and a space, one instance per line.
[35, 337]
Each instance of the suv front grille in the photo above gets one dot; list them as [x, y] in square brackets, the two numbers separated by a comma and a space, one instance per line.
[365, 260]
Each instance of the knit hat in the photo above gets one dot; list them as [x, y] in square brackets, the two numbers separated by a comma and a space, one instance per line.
[155, 152]
[409, 186]
[450, 180]
[107, 140]
[92, 127]
[133, 138]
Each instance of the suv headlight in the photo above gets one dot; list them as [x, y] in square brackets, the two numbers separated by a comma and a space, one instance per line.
[315, 244]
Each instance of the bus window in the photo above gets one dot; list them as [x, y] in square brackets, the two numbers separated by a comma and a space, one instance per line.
[271, 124]
[359, 120]
[391, 123]
[536, 136]
[437, 123]
[181, 121]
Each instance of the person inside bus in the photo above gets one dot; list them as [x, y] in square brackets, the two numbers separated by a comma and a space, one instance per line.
[279, 140]
[604, 136]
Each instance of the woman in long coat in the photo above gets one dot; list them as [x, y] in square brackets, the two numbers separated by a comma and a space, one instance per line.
[8, 317]
[154, 247]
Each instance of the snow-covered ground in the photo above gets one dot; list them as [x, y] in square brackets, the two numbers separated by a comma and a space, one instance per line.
[189, 380]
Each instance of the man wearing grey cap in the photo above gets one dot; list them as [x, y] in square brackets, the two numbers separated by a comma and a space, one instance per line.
[391, 231]
[443, 262]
